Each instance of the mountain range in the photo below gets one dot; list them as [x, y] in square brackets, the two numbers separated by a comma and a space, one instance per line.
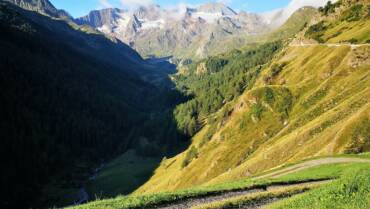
[201, 107]
[179, 31]
[183, 30]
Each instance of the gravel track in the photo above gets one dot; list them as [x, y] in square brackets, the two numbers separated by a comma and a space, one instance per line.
[196, 201]
[310, 164]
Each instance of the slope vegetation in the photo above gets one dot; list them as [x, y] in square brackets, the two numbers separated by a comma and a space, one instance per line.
[340, 178]
[310, 100]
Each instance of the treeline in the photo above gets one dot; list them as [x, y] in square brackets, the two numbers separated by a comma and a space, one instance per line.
[61, 107]
[226, 77]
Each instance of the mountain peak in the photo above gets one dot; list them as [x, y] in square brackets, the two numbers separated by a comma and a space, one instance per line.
[98, 18]
[216, 8]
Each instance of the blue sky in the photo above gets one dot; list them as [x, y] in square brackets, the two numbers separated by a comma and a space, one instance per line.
[81, 7]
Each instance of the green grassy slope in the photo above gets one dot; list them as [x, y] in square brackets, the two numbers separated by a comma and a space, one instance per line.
[351, 191]
[310, 101]
[122, 175]
[331, 171]
[347, 21]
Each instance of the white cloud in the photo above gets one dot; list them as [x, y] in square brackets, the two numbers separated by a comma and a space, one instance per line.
[294, 5]
[226, 2]
[104, 4]
[131, 4]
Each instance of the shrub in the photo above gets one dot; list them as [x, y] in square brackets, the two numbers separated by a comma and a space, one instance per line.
[274, 71]
[353, 41]
[317, 31]
[256, 111]
[353, 14]
[190, 155]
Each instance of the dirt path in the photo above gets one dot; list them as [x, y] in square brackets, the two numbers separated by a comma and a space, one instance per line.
[329, 45]
[192, 202]
[310, 164]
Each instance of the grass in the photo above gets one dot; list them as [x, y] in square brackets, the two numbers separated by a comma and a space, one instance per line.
[239, 202]
[326, 100]
[350, 191]
[150, 200]
[123, 175]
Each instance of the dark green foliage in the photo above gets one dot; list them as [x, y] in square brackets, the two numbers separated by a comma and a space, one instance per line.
[353, 41]
[317, 31]
[212, 90]
[190, 155]
[330, 7]
[269, 95]
[256, 111]
[354, 13]
[274, 71]
[215, 64]
[70, 98]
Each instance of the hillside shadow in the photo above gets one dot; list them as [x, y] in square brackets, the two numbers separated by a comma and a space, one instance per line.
[73, 100]
[157, 139]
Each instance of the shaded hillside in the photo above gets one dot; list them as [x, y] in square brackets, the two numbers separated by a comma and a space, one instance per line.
[311, 100]
[41, 6]
[71, 99]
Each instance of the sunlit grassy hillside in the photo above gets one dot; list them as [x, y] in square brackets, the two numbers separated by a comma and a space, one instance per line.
[309, 101]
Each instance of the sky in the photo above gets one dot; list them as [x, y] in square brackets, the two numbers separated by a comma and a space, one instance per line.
[79, 8]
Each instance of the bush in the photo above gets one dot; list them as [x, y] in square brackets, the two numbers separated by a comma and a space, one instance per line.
[353, 14]
[190, 155]
[274, 71]
[353, 41]
[317, 31]
[256, 111]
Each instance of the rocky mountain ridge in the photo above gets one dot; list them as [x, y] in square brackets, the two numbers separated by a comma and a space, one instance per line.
[155, 31]
[187, 32]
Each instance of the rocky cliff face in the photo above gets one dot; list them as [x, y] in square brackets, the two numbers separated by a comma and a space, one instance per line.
[98, 18]
[180, 31]
[186, 32]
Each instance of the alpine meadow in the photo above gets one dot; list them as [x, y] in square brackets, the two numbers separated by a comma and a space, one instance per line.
[185, 104]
